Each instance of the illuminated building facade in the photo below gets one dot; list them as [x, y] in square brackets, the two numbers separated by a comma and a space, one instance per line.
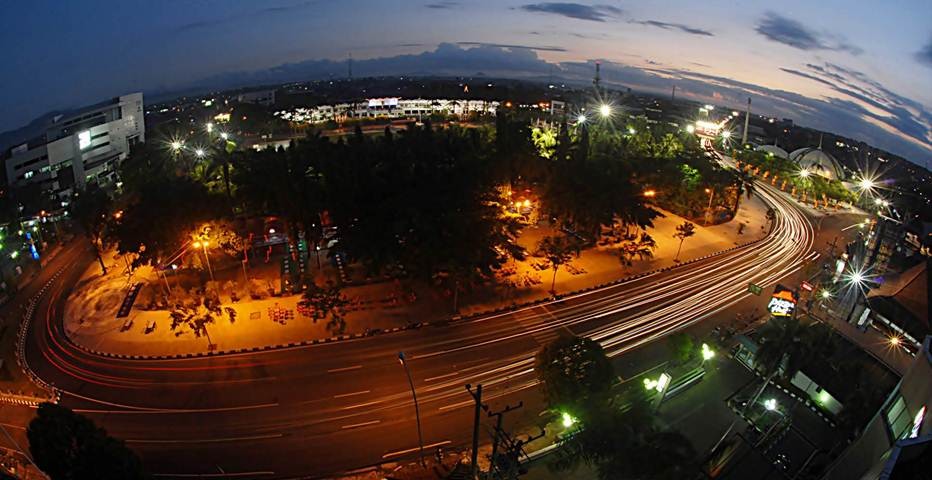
[84, 146]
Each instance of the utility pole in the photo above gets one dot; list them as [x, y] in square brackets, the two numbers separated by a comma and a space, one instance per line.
[477, 397]
[349, 67]
[502, 442]
[747, 117]
[673, 95]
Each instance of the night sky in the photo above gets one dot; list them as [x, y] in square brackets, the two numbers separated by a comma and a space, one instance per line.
[858, 68]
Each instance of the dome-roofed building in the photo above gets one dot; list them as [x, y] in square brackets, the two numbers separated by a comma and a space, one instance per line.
[818, 162]
[773, 150]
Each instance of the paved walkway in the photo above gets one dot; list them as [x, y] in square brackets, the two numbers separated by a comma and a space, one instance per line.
[90, 317]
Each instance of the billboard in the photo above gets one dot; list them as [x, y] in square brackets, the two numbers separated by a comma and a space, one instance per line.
[782, 302]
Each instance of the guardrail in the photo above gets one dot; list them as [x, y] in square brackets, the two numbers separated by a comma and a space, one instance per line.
[54, 393]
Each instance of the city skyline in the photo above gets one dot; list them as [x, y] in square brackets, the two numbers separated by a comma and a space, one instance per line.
[864, 76]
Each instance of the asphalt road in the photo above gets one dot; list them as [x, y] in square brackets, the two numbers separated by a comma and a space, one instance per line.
[334, 407]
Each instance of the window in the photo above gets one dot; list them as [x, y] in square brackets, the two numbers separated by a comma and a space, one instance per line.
[29, 174]
[898, 419]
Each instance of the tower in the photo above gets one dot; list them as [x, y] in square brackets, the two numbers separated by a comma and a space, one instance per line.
[349, 67]
[598, 78]
[747, 117]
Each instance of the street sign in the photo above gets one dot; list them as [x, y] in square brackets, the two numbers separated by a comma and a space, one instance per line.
[756, 290]
[806, 286]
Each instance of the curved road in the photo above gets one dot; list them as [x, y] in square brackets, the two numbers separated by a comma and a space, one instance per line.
[336, 407]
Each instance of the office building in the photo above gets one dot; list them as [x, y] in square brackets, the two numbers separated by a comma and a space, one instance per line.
[80, 147]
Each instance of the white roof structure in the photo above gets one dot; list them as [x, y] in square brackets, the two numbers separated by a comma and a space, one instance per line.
[818, 162]
[773, 150]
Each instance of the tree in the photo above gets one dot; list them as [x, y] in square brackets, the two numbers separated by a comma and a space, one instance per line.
[683, 231]
[575, 373]
[682, 346]
[91, 209]
[558, 250]
[68, 446]
[325, 302]
[643, 248]
[196, 312]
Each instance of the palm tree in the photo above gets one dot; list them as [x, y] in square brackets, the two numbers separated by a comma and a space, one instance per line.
[683, 231]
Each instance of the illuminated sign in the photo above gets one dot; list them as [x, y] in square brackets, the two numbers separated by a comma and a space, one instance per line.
[783, 302]
[84, 139]
[806, 286]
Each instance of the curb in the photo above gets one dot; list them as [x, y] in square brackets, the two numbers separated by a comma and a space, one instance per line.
[456, 319]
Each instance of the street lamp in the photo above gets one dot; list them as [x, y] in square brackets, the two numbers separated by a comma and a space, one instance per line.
[650, 193]
[417, 411]
[204, 245]
[708, 210]
[804, 173]
[210, 127]
[690, 128]
[707, 353]
[770, 404]
[225, 135]
[581, 118]
[199, 152]
[176, 145]
[605, 110]
[568, 420]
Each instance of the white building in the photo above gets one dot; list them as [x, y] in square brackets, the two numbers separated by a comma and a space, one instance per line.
[391, 107]
[78, 148]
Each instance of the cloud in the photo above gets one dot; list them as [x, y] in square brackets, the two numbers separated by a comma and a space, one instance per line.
[787, 31]
[595, 13]
[511, 47]
[675, 26]
[252, 14]
[443, 5]
[924, 56]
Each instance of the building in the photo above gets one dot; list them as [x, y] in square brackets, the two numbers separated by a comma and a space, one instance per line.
[81, 147]
[260, 97]
[818, 162]
[773, 150]
[900, 307]
[390, 107]
[897, 442]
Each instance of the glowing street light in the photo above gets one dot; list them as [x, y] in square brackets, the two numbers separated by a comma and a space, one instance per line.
[210, 127]
[866, 184]
[770, 404]
[605, 110]
[826, 294]
[581, 118]
[649, 193]
[225, 135]
[726, 134]
[176, 145]
[895, 341]
[707, 353]
[804, 173]
[568, 420]
[631, 131]
[690, 128]
[200, 152]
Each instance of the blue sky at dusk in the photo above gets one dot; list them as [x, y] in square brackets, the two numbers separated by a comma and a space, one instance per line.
[858, 68]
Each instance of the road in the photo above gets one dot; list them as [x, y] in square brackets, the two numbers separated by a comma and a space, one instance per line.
[341, 406]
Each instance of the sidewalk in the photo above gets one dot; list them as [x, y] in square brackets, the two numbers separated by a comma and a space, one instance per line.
[90, 316]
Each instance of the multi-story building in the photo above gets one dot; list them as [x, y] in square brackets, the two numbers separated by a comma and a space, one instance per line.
[84, 146]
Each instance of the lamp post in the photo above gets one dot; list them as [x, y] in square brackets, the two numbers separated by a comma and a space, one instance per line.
[708, 210]
[205, 244]
[417, 411]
